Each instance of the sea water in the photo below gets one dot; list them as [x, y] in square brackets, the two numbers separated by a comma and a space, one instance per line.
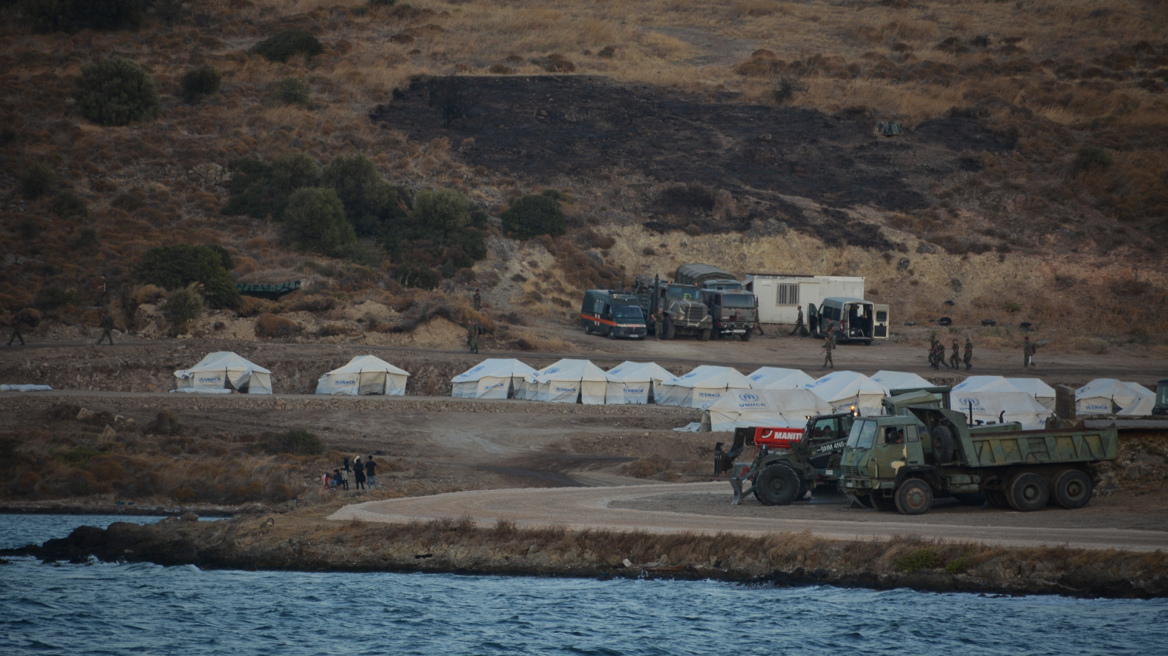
[123, 609]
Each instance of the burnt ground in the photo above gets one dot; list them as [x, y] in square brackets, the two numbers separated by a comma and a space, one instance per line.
[542, 128]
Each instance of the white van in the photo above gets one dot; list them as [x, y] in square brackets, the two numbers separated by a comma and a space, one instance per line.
[857, 321]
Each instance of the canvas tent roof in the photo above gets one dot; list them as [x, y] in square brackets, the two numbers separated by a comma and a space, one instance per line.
[900, 380]
[567, 381]
[1142, 405]
[1041, 392]
[781, 408]
[634, 382]
[224, 370]
[843, 388]
[364, 374]
[703, 385]
[778, 378]
[1106, 396]
[993, 406]
[986, 384]
[493, 378]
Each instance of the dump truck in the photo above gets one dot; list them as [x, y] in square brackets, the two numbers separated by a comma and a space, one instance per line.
[734, 314]
[788, 462]
[902, 462]
[679, 307]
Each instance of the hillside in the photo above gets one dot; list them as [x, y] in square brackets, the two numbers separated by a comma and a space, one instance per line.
[1029, 181]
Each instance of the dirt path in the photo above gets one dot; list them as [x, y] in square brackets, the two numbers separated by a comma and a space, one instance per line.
[616, 509]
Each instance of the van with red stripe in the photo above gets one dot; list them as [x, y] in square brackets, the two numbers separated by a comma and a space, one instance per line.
[612, 314]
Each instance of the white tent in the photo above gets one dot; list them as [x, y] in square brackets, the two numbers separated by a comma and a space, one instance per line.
[703, 385]
[364, 374]
[1142, 405]
[567, 381]
[1041, 392]
[1108, 396]
[633, 382]
[842, 389]
[778, 378]
[992, 407]
[493, 378]
[900, 380]
[779, 408]
[224, 370]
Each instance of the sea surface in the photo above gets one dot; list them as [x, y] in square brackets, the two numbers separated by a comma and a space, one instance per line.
[105, 608]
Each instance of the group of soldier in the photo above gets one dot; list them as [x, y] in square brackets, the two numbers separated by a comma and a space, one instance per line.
[937, 355]
[28, 319]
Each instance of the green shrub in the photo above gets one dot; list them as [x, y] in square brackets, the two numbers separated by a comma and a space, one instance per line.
[173, 267]
[182, 306]
[199, 83]
[261, 190]
[315, 221]
[959, 565]
[78, 456]
[293, 91]
[1092, 157]
[533, 215]
[786, 88]
[373, 206]
[51, 297]
[85, 237]
[919, 559]
[418, 275]
[116, 91]
[36, 180]
[444, 210]
[297, 442]
[286, 45]
[73, 15]
[70, 206]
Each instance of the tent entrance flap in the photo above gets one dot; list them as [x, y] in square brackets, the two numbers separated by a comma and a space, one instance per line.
[371, 382]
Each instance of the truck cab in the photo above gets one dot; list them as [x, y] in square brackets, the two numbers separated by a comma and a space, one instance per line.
[680, 307]
[734, 313]
[612, 314]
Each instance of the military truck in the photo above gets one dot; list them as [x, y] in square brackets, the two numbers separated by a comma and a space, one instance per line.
[788, 462]
[679, 308]
[698, 274]
[734, 314]
[612, 314]
[903, 462]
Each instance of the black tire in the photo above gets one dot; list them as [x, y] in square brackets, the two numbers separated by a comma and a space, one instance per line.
[997, 499]
[883, 503]
[778, 485]
[1027, 492]
[669, 331]
[942, 444]
[1072, 489]
[914, 497]
[704, 336]
[587, 328]
[746, 335]
[612, 333]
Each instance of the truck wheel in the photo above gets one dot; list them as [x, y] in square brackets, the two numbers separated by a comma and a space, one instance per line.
[883, 503]
[943, 444]
[612, 333]
[1072, 489]
[997, 499]
[746, 335]
[914, 497]
[669, 331]
[704, 335]
[778, 485]
[1027, 492]
[587, 329]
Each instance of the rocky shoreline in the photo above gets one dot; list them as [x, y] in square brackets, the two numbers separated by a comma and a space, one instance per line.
[308, 542]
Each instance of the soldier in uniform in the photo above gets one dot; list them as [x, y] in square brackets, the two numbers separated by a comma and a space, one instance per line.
[472, 336]
[478, 300]
[1028, 351]
[659, 323]
[968, 354]
[799, 327]
[17, 319]
[828, 345]
[955, 357]
[107, 326]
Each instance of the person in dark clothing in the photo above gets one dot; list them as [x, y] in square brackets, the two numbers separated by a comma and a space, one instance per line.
[371, 472]
[345, 473]
[359, 473]
[336, 478]
[107, 326]
[478, 300]
[799, 327]
[16, 321]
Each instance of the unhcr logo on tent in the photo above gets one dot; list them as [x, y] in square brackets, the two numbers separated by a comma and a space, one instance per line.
[491, 387]
[634, 390]
[965, 403]
[345, 381]
[749, 398]
[565, 389]
[209, 379]
[709, 395]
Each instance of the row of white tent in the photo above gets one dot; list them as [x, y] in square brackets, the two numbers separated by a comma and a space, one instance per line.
[224, 372]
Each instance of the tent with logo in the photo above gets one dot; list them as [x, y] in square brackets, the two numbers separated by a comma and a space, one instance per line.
[493, 378]
[777, 408]
[702, 386]
[223, 372]
[993, 399]
[900, 380]
[363, 375]
[1041, 392]
[1108, 396]
[778, 378]
[843, 389]
[634, 382]
[567, 381]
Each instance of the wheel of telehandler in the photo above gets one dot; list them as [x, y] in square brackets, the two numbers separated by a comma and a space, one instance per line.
[704, 335]
[997, 499]
[1072, 489]
[1027, 492]
[914, 497]
[883, 503]
[778, 485]
[669, 331]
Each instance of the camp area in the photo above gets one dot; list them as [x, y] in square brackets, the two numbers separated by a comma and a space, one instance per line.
[364, 375]
[493, 378]
[224, 372]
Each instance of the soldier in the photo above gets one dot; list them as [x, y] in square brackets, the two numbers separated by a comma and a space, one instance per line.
[955, 358]
[799, 327]
[17, 319]
[828, 345]
[933, 352]
[472, 336]
[968, 354]
[478, 301]
[1028, 350]
[659, 323]
[107, 326]
[941, 354]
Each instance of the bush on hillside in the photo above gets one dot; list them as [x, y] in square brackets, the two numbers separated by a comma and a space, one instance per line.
[297, 442]
[70, 206]
[174, 267]
[85, 237]
[260, 190]
[51, 297]
[182, 306]
[444, 230]
[293, 91]
[1092, 157]
[315, 221]
[534, 215]
[200, 83]
[116, 91]
[443, 209]
[372, 205]
[36, 180]
[285, 45]
[73, 15]
[418, 275]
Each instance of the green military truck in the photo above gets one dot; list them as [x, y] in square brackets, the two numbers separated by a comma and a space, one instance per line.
[679, 308]
[902, 462]
[788, 462]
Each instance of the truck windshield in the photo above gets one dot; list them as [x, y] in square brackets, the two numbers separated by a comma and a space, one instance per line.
[863, 435]
[683, 292]
[738, 300]
[627, 312]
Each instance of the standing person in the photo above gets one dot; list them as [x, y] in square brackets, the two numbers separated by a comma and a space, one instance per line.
[359, 473]
[478, 300]
[933, 352]
[799, 327]
[1028, 351]
[968, 354]
[371, 472]
[345, 473]
[17, 319]
[659, 323]
[107, 326]
[955, 358]
[941, 354]
[472, 335]
[828, 345]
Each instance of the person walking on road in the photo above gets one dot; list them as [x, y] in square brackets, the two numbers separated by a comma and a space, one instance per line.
[828, 345]
[107, 326]
[359, 473]
[968, 354]
[17, 319]
[955, 357]
[799, 327]
[371, 472]
[478, 300]
[1028, 350]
